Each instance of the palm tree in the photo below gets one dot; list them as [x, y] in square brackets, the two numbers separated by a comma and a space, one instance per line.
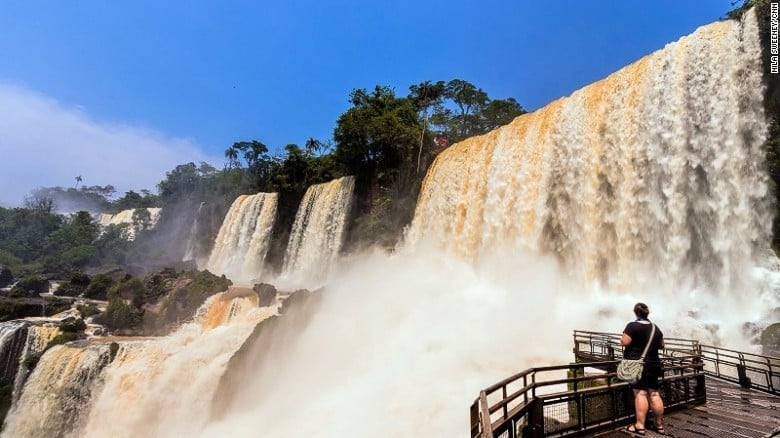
[78, 180]
[231, 155]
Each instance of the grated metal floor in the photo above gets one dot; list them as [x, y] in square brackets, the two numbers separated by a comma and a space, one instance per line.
[730, 412]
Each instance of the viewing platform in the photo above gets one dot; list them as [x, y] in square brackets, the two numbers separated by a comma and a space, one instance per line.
[707, 391]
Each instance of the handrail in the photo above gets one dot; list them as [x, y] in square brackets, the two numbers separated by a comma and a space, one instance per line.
[750, 370]
[535, 403]
[529, 403]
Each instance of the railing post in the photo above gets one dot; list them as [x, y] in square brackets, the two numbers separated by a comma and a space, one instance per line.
[536, 419]
[744, 380]
[487, 426]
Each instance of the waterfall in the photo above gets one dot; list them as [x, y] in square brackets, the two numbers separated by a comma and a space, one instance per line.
[58, 392]
[12, 338]
[242, 242]
[37, 338]
[317, 233]
[646, 186]
[78, 389]
[164, 386]
[125, 217]
[653, 175]
[189, 251]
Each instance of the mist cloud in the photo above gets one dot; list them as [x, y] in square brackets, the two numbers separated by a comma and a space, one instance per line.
[45, 143]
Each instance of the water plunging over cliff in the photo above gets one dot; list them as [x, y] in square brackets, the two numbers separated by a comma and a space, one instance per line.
[242, 243]
[318, 231]
[562, 219]
[653, 175]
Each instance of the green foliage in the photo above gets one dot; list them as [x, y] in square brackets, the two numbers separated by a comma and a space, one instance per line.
[23, 232]
[61, 339]
[98, 287]
[119, 315]
[132, 289]
[30, 286]
[133, 200]
[87, 310]
[68, 289]
[73, 327]
[204, 284]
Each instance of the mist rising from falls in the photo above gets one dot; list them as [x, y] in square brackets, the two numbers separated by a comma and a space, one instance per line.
[78, 390]
[164, 386]
[242, 242]
[646, 186]
[189, 250]
[318, 231]
[562, 220]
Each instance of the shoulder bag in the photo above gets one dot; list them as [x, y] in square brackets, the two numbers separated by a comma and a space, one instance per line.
[630, 370]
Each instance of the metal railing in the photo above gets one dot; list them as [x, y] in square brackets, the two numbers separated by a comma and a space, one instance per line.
[576, 399]
[750, 370]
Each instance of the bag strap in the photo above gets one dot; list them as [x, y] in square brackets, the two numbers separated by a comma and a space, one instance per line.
[649, 340]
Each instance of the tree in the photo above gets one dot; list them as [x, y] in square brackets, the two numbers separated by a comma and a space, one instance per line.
[499, 112]
[78, 180]
[40, 201]
[231, 155]
[377, 137]
[469, 102]
[425, 96]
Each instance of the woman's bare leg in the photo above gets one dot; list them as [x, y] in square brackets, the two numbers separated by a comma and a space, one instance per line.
[657, 405]
[640, 406]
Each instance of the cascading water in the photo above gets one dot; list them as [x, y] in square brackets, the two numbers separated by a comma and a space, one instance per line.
[654, 174]
[37, 338]
[12, 338]
[317, 233]
[189, 250]
[242, 242]
[58, 392]
[125, 217]
[80, 390]
[645, 186]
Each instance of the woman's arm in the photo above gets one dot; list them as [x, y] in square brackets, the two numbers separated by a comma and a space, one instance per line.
[625, 340]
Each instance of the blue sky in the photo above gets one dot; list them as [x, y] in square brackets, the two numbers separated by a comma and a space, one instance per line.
[163, 83]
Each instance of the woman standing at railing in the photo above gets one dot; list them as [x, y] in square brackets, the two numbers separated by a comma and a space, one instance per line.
[636, 336]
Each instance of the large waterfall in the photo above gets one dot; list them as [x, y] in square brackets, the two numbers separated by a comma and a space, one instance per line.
[654, 174]
[242, 242]
[318, 230]
[646, 186]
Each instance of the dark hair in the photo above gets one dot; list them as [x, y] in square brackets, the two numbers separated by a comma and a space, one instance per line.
[641, 310]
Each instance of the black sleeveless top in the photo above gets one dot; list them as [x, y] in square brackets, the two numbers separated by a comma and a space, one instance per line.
[639, 334]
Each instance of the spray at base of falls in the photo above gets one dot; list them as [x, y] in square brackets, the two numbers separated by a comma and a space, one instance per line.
[647, 186]
[318, 232]
[243, 239]
[74, 391]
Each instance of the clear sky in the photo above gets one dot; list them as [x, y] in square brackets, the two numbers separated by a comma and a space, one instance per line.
[120, 92]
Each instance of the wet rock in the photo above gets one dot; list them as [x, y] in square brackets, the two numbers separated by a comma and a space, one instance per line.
[266, 294]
